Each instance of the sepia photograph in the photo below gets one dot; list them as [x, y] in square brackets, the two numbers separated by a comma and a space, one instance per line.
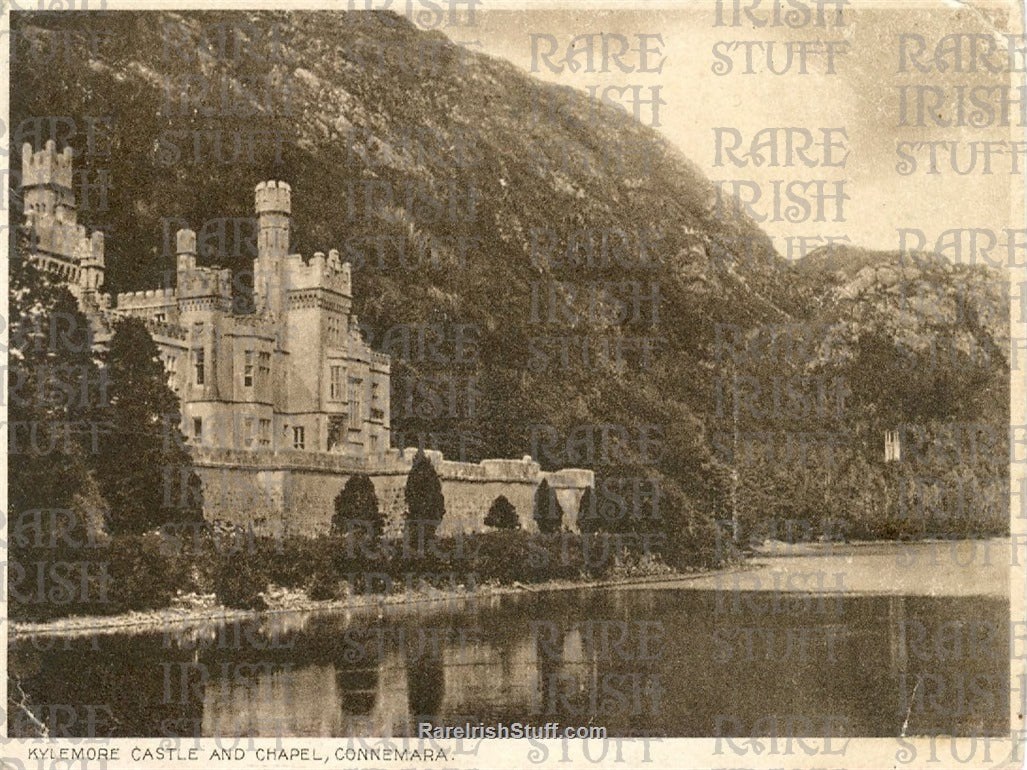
[459, 383]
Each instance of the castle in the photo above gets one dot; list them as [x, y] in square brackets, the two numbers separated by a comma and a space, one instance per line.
[280, 405]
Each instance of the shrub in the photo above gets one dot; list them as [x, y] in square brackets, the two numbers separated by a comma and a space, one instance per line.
[423, 494]
[239, 582]
[356, 509]
[87, 583]
[502, 514]
[324, 585]
[509, 556]
[548, 513]
[145, 572]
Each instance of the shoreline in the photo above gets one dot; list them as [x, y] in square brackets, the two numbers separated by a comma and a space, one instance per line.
[767, 560]
[139, 622]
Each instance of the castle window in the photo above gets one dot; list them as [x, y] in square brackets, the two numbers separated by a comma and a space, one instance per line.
[197, 428]
[355, 406]
[298, 437]
[892, 446]
[264, 432]
[199, 356]
[247, 369]
[336, 433]
[335, 383]
[247, 425]
[264, 365]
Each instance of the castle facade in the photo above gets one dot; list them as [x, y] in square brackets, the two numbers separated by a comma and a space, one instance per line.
[293, 374]
[280, 405]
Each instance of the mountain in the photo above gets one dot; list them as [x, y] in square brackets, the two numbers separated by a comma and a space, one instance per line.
[465, 194]
[941, 331]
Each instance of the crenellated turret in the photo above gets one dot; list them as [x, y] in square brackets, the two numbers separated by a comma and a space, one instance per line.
[273, 204]
[46, 182]
[185, 251]
[96, 244]
[91, 263]
[59, 243]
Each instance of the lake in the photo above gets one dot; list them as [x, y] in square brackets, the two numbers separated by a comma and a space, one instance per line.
[753, 652]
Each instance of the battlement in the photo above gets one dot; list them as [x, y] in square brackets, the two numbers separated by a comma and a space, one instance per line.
[273, 197]
[205, 282]
[63, 239]
[46, 167]
[185, 242]
[259, 324]
[524, 470]
[129, 300]
[167, 330]
[320, 272]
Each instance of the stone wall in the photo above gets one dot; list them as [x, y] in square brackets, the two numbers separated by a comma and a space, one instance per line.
[294, 493]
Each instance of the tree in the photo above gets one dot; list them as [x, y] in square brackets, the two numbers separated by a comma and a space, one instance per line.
[502, 514]
[356, 508]
[588, 517]
[548, 514]
[147, 475]
[423, 494]
[56, 394]
[691, 537]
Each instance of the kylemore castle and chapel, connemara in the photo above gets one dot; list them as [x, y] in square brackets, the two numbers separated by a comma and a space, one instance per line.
[280, 405]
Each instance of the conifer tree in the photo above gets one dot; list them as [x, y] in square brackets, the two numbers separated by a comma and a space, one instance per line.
[146, 476]
[588, 517]
[502, 514]
[548, 513]
[56, 391]
[356, 508]
[423, 493]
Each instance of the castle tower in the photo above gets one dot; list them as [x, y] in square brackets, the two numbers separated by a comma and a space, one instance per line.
[273, 205]
[59, 244]
[90, 276]
[185, 252]
[46, 183]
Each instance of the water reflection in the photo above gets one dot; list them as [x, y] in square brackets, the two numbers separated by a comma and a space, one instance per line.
[666, 662]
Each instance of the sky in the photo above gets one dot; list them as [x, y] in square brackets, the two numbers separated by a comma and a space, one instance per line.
[856, 96]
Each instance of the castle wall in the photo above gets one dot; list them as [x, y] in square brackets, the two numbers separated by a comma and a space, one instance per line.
[299, 500]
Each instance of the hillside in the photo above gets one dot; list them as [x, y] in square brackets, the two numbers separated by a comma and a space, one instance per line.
[438, 174]
[464, 193]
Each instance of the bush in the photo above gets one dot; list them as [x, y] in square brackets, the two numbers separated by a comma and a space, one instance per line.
[356, 509]
[502, 514]
[323, 586]
[690, 538]
[87, 590]
[509, 556]
[239, 582]
[145, 572]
